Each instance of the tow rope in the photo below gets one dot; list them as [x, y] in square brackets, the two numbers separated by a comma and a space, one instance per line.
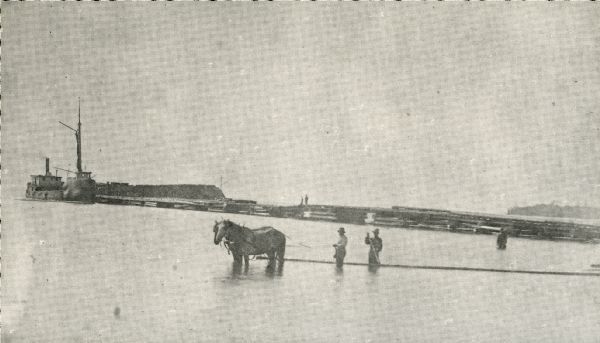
[471, 269]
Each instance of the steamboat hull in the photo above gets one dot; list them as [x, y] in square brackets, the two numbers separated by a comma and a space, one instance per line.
[82, 190]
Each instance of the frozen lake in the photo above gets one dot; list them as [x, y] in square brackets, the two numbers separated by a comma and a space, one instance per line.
[101, 273]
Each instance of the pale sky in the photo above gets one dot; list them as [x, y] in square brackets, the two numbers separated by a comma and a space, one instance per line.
[475, 107]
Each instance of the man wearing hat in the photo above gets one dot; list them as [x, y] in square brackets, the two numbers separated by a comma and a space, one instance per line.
[376, 246]
[340, 248]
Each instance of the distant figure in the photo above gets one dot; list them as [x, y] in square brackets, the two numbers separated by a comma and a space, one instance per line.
[502, 238]
[306, 200]
[301, 201]
[340, 248]
[376, 245]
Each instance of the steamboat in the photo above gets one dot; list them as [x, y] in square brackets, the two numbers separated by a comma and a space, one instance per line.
[79, 188]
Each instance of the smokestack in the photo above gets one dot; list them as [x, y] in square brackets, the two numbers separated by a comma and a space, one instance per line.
[47, 166]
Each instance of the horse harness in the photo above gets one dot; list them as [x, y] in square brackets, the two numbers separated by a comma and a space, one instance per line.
[227, 243]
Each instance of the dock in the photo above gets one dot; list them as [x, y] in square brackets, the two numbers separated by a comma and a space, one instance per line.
[555, 229]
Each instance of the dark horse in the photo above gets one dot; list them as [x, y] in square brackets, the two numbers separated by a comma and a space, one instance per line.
[244, 241]
[233, 247]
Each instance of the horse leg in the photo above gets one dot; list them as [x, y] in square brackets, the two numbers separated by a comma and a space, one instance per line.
[237, 259]
[236, 268]
[280, 250]
[281, 254]
[246, 260]
[271, 255]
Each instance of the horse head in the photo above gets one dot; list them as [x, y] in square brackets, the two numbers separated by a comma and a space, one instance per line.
[227, 229]
[219, 230]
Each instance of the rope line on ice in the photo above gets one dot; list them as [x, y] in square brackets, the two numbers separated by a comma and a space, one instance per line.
[472, 269]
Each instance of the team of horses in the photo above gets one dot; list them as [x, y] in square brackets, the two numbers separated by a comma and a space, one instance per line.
[243, 242]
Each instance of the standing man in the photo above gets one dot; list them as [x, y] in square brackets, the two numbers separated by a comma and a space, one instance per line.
[376, 246]
[340, 248]
[502, 239]
[306, 199]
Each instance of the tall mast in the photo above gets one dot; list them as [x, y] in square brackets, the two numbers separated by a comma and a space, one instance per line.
[78, 136]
